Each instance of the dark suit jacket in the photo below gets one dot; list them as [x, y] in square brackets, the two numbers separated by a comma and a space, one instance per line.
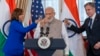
[93, 35]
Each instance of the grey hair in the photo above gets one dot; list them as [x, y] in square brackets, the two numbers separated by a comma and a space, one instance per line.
[50, 9]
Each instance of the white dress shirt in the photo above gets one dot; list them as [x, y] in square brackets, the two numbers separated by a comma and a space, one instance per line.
[93, 18]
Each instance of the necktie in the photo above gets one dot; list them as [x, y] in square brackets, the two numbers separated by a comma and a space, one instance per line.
[90, 23]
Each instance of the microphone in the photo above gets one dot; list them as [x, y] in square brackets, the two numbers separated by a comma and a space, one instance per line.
[41, 33]
[47, 28]
[47, 31]
[41, 29]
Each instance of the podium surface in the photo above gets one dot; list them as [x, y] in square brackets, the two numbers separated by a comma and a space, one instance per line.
[55, 44]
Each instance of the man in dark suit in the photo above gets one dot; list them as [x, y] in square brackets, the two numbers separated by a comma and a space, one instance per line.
[92, 28]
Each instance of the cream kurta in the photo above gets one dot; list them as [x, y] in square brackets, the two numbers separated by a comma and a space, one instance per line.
[57, 30]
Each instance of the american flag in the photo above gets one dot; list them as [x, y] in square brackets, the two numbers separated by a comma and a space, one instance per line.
[36, 13]
[37, 10]
[97, 4]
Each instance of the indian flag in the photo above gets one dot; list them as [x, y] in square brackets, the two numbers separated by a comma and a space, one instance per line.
[6, 8]
[70, 11]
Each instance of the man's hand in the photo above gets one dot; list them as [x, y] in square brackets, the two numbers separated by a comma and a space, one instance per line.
[47, 17]
[66, 21]
[43, 22]
[97, 45]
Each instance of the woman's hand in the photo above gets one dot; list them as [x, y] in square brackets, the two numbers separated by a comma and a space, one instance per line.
[37, 21]
[43, 22]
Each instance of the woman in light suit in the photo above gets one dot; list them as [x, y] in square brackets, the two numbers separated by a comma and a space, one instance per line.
[14, 44]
